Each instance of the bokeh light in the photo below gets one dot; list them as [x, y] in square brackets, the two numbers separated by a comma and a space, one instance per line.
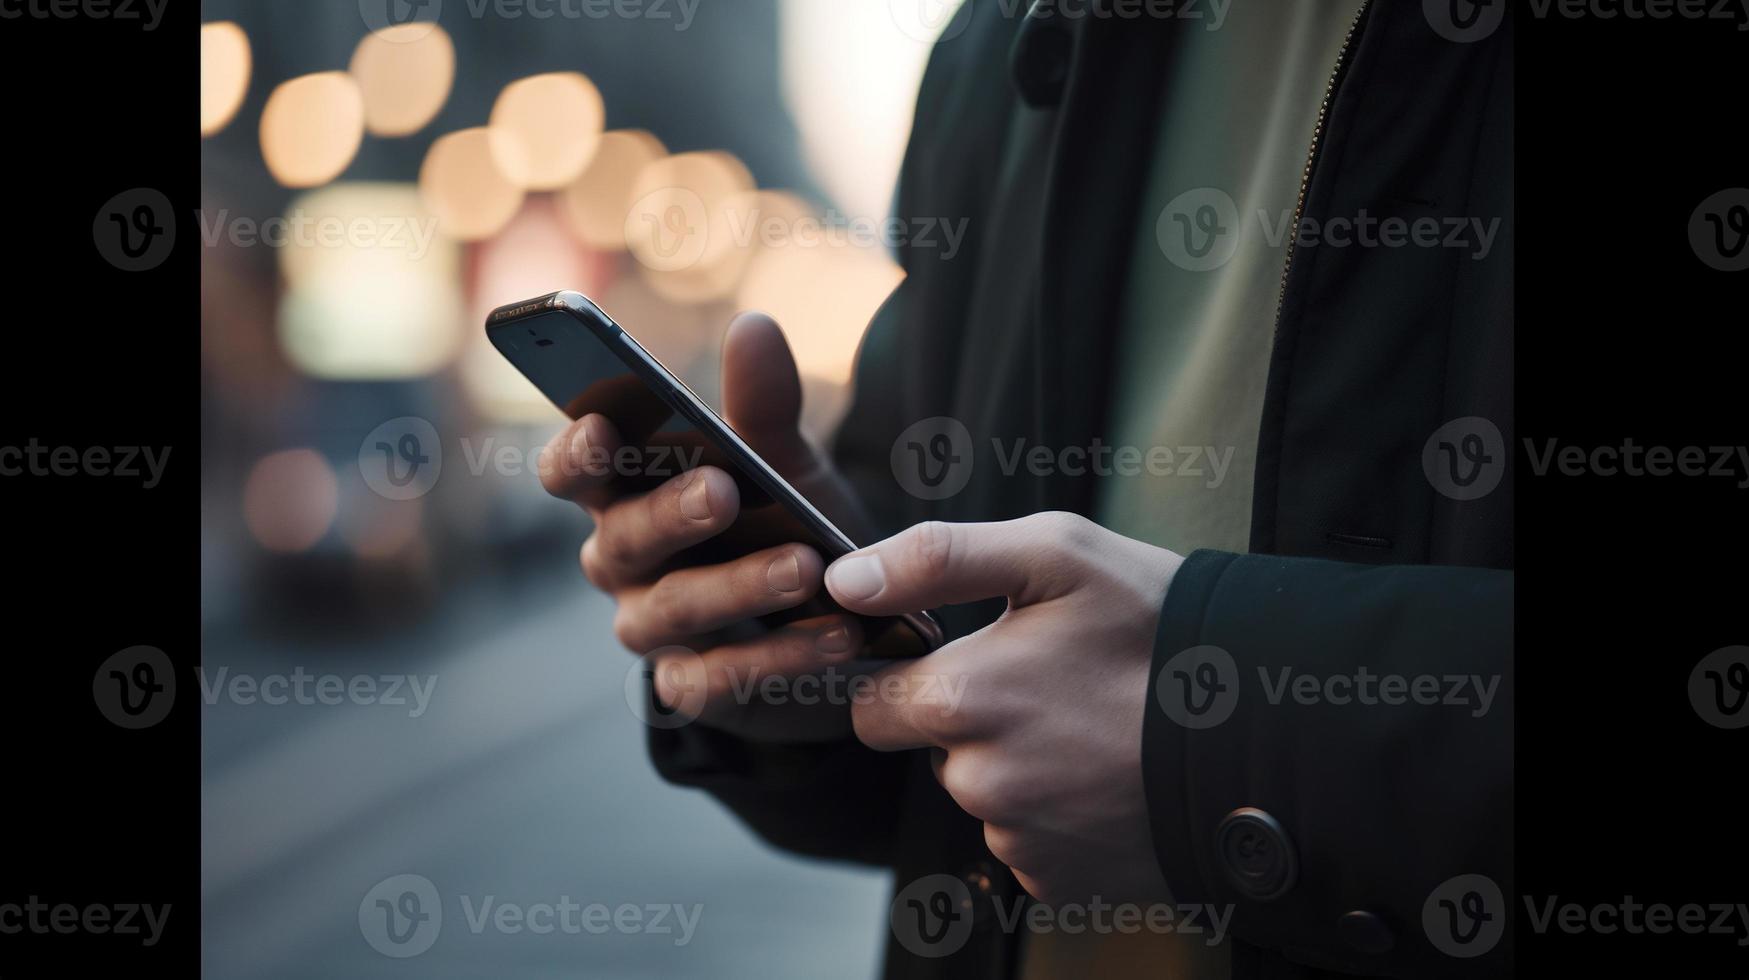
[461, 183]
[311, 128]
[224, 74]
[545, 128]
[823, 297]
[290, 499]
[404, 74]
[372, 286]
[596, 204]
[679, 220]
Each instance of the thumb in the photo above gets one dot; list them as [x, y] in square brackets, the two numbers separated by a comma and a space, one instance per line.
[936, 564]
[762, 393]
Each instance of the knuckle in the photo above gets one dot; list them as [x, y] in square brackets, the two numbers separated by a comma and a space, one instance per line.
[590, 559]
[1067, 531]
[627, 630]
[931, 548]
[1005, 845]
[671, 606]
[973, 788]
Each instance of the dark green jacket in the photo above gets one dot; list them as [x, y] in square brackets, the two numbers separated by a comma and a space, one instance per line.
[1357, 559]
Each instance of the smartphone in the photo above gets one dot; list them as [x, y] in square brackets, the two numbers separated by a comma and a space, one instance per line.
[588, 364]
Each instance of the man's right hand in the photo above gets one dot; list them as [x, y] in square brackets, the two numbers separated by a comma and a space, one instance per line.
[709, 609]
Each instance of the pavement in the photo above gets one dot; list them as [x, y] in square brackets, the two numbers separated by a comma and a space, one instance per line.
[516, 785]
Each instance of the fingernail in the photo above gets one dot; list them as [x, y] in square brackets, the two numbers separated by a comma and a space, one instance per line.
[579, 448]
[785, 574]
[860, 577]
[695, 500]
[835, 640]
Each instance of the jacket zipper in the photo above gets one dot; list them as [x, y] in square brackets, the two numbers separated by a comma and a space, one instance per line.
[1312, 154]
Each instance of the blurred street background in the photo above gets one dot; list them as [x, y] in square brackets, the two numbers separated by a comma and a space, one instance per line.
[376, 176]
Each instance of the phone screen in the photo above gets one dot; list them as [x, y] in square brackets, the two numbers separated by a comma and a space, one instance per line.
[585, 364]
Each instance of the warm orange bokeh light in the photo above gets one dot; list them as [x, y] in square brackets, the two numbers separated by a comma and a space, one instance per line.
[224, 74]
[462, 185]
[679, 220]
[404, 74]
[545, 129]
[596, 203]
[311, 128]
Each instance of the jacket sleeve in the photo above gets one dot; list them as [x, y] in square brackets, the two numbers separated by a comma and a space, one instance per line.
[836, 800]
[1366, 711]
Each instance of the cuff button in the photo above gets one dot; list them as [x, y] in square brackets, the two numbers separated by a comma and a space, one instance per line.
[1257, 854]
[1366, 933]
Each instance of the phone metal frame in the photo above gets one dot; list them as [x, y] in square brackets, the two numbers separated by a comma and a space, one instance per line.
[685, 401]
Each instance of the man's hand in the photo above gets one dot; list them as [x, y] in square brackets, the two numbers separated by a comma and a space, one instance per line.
[708, 609]
[1036, 720]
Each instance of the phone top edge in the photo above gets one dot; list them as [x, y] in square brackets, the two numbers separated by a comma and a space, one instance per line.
[564, 299]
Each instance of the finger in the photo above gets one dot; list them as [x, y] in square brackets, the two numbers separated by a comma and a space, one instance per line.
[577, 463]
[635, 536]
[727, 681]
[918, 703]
[937, 563]
[762, 393]
[698, 600]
